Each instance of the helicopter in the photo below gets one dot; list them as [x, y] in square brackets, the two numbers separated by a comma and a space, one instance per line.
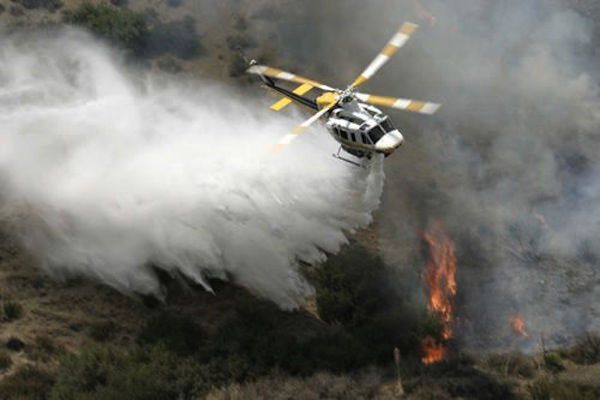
[352, 118]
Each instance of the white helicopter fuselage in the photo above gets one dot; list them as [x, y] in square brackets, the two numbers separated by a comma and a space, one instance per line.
[363, 129]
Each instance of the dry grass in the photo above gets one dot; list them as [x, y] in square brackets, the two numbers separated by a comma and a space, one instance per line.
[366, 385]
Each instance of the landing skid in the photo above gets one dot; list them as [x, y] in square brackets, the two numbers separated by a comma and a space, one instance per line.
[346, 159]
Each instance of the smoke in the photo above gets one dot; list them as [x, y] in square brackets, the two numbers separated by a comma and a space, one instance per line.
[510, 164]
[107, 172]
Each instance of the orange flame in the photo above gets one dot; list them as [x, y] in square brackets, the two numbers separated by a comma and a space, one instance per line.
[519, 325]
[440, 277]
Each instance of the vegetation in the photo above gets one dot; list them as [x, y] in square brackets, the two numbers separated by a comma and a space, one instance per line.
[5, 360]
[586, 350]
[458, 377]
[553, 362]
[546, 388]
[353, 289]
[11, 311]
[27, 383]
[142, 34]
[44, 350]
[50, 5]
[103, 331]
[512, 364]
[140, 373]
[178, 38]
[121, 27]
[15, 344]
[174, 3]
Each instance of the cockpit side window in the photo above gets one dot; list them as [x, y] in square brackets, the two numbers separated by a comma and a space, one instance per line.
[376, 133]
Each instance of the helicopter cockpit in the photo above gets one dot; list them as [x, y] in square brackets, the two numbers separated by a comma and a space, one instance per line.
[363, 129]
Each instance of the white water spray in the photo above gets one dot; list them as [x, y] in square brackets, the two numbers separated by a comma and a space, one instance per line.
[105, 175]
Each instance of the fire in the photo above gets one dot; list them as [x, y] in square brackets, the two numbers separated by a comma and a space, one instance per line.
[519, 325]
[434, 351]
[440, 277]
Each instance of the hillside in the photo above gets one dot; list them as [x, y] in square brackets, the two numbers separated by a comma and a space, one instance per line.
[364, 332]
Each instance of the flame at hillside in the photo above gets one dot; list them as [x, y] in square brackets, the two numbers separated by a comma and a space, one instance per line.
[440, 277]
[518, 325]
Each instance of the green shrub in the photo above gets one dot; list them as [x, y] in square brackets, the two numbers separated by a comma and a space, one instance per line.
[15, 344]
[459, 378]
[179, 334]
[28, 382]
[353, 289]
[50, 5]
[586, 350]
[103, 331]
[551, 389]
[43, 350]
[174, 3]
[514, 364]
[178, 38]
[5, 360]
[12, 311]
[553, 362]
[16, 11]
[120, 26]
[144, 373]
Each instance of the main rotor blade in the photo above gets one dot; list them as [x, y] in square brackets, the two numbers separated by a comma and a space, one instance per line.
[397, 41]
[399, 103]
[301, 128]
[286, 76]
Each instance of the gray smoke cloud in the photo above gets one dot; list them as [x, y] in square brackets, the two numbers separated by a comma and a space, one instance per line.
[106, 172]
[510, 164]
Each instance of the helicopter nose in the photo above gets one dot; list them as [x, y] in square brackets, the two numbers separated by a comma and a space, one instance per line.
[400, 138]
[390, 141]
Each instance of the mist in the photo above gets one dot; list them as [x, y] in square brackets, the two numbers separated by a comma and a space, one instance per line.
[109, 173]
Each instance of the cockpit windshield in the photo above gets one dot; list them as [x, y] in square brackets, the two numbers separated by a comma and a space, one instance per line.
[387, 125]
[376, 133]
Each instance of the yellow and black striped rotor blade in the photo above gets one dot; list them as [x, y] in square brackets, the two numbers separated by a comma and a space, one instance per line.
[396, 42]
[399, 103]
[287, 139]
[286, 76]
